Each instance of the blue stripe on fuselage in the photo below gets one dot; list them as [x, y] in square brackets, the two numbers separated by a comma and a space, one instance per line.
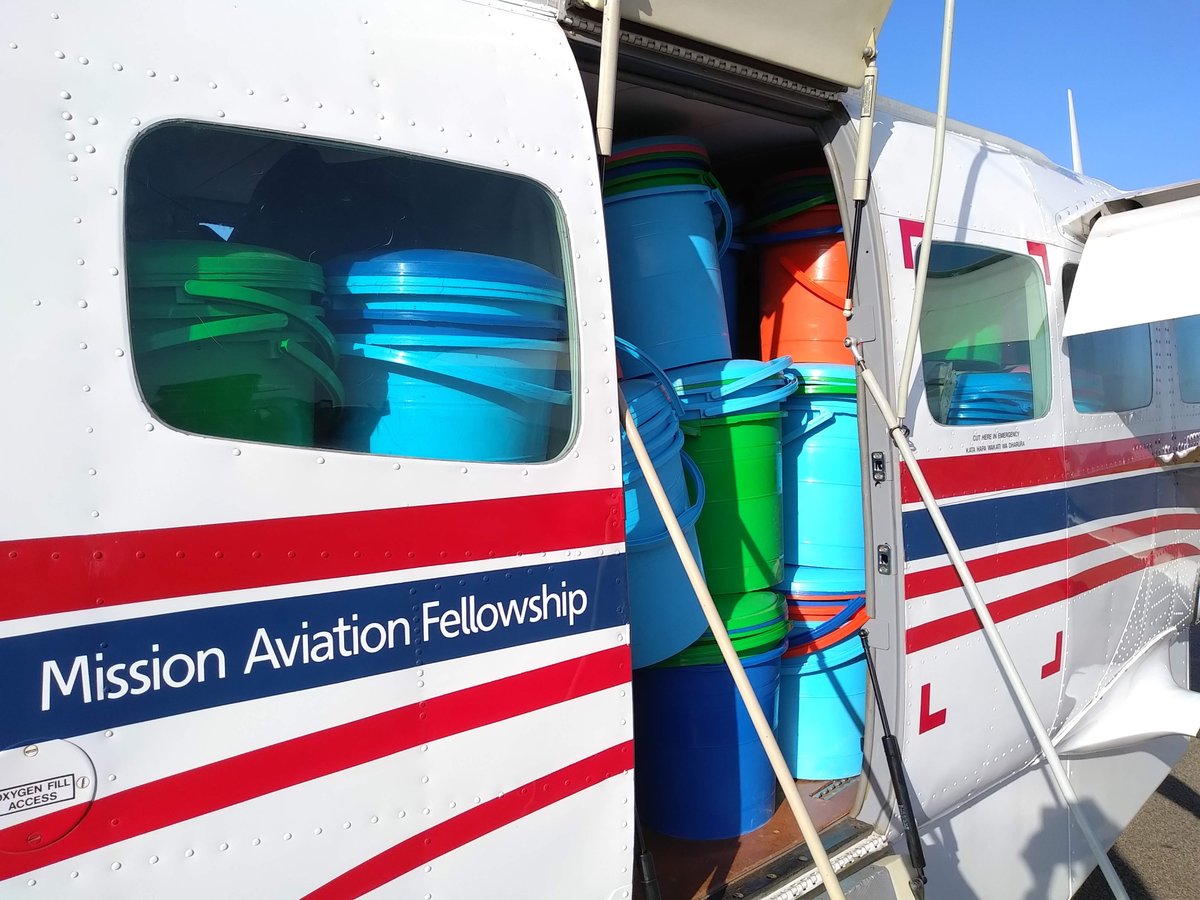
[992, 520]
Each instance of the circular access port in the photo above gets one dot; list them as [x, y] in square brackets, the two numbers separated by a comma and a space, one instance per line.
[46, 789]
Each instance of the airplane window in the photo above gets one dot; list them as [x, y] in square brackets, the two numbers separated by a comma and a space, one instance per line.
[1187, 360]
[319, 295]
[1111, 371]
[984, 339]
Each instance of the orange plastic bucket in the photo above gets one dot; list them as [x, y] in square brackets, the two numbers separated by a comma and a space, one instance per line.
[803, 292]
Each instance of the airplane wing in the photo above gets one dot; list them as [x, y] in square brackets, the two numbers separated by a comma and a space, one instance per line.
[1137, 265]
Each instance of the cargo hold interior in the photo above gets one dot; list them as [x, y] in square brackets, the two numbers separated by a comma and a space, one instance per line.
[747, 145]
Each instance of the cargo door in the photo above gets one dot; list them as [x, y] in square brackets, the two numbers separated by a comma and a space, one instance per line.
[821, 40]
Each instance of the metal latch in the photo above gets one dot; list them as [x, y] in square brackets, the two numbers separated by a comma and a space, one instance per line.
[883, 559]
[878, 467]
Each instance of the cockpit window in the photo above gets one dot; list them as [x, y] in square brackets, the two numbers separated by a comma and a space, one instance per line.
[318, 295]
[984, 339]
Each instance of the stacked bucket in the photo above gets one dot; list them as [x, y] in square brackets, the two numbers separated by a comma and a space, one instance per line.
[433, 339]
[803, 282]
[702, 772]
[803, 268]
[229, 340]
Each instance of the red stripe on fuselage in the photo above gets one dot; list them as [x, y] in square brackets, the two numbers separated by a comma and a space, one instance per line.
[939, 631]
[228, 782]
[64, 574]
[477, 822]
[1010, 562]
[985, 473]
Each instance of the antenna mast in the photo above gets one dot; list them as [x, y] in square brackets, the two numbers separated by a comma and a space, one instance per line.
[1076, 159]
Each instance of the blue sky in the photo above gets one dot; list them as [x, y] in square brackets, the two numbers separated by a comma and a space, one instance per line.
[1134, 66]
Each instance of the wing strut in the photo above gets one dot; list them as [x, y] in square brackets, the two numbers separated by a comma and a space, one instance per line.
[900, 439]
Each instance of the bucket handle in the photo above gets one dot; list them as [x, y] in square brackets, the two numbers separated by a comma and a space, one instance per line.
[717, 197]
[631, 349]
[821, 292]
[688, 517]
[774, 367]
[820, 420]
[741, 404]
[239, 293]
[218, 328]
[317, 366]
[411, 359]
[829, 626]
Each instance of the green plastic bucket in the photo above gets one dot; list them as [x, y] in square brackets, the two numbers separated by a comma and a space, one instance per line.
[741, 528]
[229, 341]
[756, 621]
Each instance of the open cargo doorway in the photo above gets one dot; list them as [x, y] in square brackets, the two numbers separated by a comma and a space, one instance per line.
[711, 816]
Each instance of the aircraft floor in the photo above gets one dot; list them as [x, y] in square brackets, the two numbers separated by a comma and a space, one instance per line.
[694, 870]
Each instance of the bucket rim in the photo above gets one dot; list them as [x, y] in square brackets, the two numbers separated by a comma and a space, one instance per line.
[755, 656]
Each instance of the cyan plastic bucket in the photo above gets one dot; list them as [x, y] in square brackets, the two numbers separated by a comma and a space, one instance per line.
[818, 580]
[665, 616]
[449, 355]
[437, 283]
[701, 772]
[731, 386]
[666, 274]
[487, 400]
[822, 708]
[822, 481]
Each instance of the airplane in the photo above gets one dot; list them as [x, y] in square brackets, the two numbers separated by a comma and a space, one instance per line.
[318, 563]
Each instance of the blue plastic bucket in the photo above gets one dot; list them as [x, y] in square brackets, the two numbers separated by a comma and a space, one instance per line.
[822, 709]
[665, 616]
[701, 772]
[666, 274]
[822, 479]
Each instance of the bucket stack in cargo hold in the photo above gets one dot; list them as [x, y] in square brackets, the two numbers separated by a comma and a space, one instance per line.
[384, 353]
[775, 446]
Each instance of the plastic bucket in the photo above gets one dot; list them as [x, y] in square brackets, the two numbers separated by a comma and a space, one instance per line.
[448, 354]
[809, 634]
[433, 282]
[822, 708]
[701, 772]
[822, 480]
[666, 276]
[665, 616]
[755, 621]
[741, 528]
[228, 340]
[802, 287]
[408, 396]
[731, 386]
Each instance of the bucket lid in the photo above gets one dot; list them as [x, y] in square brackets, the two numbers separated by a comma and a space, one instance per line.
[645, 397]
[363, 317]
[728, 386]
[154, 263]
[406, 270]
[826, 378]
[667, 143]
[799, 581]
